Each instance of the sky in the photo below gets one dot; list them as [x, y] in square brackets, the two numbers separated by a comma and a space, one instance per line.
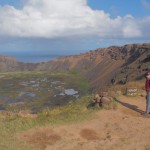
[64, 27]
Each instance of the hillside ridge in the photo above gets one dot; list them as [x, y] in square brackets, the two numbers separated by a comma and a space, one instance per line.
[112, 65]
[103, 66]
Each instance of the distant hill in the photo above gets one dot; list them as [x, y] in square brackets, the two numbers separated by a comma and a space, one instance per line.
[106, 65]
[103, 66]
[7, 63]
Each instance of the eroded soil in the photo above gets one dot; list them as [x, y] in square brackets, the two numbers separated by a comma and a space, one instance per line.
[124, 128]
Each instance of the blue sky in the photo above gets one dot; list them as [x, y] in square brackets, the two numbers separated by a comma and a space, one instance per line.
[122, 7]
[71, 26]
[114, 7]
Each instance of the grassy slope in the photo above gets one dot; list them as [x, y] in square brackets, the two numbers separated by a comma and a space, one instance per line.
[72, 79]
[11, 123]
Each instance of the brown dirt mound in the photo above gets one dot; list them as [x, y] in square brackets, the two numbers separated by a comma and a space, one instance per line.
[124, 128]
[42, 138]
[89, 134]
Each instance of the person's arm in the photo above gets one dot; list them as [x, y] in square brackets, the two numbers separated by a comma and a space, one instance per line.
[146, 85]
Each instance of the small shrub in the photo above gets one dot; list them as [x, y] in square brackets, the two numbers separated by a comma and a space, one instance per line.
[111, 105]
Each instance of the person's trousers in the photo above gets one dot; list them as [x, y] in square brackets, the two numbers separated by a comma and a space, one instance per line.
[148, 103]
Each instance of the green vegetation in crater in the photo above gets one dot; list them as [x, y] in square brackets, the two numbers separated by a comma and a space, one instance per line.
[41, 89]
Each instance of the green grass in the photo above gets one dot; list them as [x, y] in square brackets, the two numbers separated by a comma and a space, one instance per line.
[11, 124]
[74, 112]
[44, 92]
[111, 105]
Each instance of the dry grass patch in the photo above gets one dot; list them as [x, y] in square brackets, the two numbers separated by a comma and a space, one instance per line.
[89, 134]
[42, 137]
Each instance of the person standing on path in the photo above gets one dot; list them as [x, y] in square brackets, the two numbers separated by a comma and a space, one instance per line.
[147, 88]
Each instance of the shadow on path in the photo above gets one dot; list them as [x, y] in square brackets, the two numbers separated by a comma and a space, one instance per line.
[130, 106]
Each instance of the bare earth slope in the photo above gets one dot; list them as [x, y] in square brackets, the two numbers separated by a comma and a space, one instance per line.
[101, 67]
[124, 128]
[10, 64]
[106, 65]
[7, 63]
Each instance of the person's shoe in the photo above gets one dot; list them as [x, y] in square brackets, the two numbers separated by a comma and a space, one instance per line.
[146, 115]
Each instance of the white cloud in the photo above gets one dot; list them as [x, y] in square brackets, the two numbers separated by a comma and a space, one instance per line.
[146, 4]
[65, 18]
[131, 27]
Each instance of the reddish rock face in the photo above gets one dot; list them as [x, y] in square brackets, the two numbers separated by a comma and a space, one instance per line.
[7, 63]
[104, 66]
[105, 100]
[11, 64]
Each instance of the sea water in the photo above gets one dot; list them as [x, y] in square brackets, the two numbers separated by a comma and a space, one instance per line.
[31, 57]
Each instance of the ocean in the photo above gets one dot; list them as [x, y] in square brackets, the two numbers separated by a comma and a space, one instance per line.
[35, 58]
[31, 57]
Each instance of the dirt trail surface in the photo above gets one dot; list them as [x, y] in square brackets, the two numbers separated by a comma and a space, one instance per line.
[124, 128]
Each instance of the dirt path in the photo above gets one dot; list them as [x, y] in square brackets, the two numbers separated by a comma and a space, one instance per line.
[124, 128]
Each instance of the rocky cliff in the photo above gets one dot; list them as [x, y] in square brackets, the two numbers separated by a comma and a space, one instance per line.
[7, 64]
[102, 66]
[110, 65]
